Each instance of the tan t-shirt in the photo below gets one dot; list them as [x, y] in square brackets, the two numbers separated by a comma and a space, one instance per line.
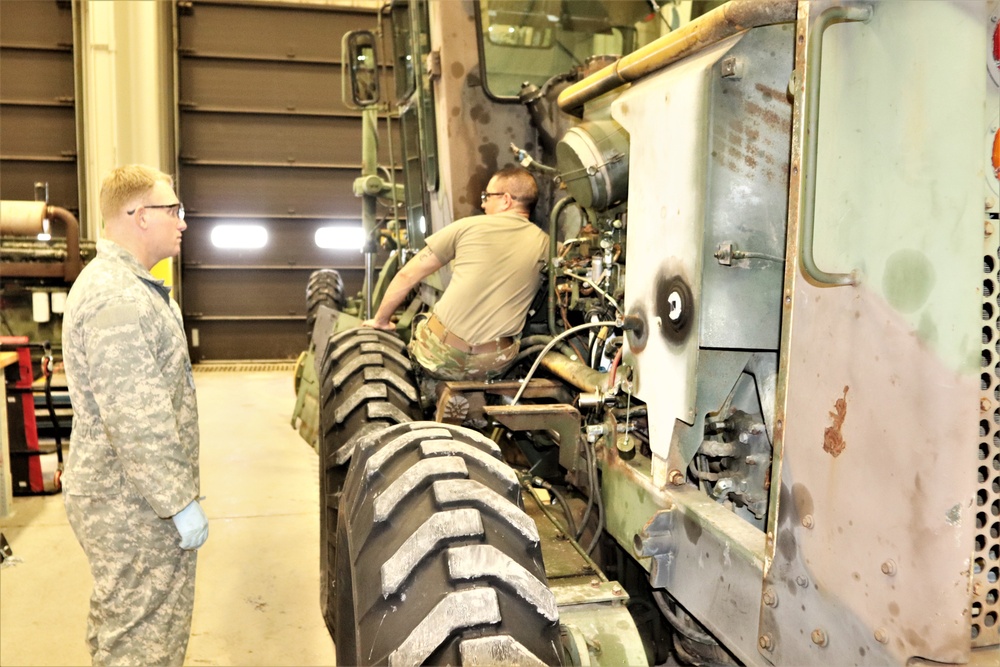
[496, 263]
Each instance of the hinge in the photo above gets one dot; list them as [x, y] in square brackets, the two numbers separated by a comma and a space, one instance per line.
[432, 65]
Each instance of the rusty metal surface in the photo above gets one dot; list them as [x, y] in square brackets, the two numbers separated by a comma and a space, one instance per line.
[466, 117]
[561, 418]
[565, 562]
[709, 559]
[475, 394]
[869, 536]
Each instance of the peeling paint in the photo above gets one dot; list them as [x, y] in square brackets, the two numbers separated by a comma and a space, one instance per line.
[833, 438]
[954, 515]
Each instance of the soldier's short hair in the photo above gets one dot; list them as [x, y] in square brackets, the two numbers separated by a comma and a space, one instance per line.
[520, 183]
[123, 184]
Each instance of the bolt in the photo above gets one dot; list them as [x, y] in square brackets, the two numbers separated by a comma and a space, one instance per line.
[770, 599]
[744, 438]
[977, 588]
[807, 521]
[988, 229]
[765, 642]
[889, 567]
[819, 637]
[616, 590]
[881, 636]
[594, 583]
[990, 203]
[984, 404]
[801, 581]
[676, 477]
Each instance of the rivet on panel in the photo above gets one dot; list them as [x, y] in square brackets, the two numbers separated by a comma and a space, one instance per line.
[616, 590]
[984, 404]
[807, 521]
[881, 636]
[801, 581]
[889, 567]
[819, 637]
[595, 583]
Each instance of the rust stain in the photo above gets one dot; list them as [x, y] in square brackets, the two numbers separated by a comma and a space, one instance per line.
[767, 115]
[772, 93]
[833, 439]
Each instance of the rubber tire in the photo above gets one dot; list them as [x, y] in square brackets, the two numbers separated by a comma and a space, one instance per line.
[444, 565]
[325, 288]
[366, 384]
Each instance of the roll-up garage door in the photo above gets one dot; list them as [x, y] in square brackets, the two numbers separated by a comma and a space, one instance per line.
[37, 102]
[268, 155]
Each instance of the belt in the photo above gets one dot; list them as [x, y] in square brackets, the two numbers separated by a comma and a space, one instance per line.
[438, 329]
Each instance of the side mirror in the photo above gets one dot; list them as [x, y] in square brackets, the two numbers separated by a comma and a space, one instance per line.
[358, 53]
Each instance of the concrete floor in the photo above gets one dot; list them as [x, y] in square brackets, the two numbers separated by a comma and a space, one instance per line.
[257, 592]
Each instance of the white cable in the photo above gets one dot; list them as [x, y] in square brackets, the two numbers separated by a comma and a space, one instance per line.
[551, 344]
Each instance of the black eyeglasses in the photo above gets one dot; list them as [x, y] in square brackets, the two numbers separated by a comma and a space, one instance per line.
[179, 213]
[484, 195]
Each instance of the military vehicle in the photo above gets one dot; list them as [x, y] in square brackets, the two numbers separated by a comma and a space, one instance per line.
[755, 419]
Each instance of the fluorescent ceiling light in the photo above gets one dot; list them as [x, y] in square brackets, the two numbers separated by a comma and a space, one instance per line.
[340, 238]
[239, 236]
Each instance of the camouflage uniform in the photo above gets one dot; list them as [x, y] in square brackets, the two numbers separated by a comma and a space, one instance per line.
[444, 362]
[133, 459]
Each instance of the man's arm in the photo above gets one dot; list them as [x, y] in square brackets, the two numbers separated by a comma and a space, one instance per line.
[422, 265]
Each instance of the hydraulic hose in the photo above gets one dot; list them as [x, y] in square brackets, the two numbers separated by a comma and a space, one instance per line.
[553, 228]
[553, 343]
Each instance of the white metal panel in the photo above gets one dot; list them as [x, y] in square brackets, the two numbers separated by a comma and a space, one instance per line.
[666, 114]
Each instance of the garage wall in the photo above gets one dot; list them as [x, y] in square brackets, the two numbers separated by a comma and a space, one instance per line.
[264, 142]
[37, 102]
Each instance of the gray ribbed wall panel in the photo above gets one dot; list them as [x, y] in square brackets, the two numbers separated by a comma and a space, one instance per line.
[266, 140]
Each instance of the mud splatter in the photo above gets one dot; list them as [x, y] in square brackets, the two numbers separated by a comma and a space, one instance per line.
[833, 439]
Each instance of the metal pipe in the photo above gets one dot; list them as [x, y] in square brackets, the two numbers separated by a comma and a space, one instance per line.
[720, 23]
[27, 218]
[553, 228]
[73, 264]
[547, 348]
[577, 373]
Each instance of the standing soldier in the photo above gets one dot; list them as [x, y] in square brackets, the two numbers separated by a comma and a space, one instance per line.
[132, 480]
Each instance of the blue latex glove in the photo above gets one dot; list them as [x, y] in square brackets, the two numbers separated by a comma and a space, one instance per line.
[192, 524]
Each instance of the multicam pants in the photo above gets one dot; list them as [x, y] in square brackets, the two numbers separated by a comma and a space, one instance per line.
[444, 362]
[140, 609]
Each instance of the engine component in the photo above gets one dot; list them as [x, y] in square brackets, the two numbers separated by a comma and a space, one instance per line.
[593, 162]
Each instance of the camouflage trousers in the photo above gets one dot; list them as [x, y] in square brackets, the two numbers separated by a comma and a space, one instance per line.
[140, 609]
[445, 362]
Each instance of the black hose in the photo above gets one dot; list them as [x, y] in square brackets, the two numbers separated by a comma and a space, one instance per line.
[679, 625]
[570, 523]
[596, 493]
[590, 499]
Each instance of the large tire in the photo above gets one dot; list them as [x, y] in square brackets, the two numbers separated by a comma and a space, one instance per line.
[325, 288]
[443, 564]
[366, 384]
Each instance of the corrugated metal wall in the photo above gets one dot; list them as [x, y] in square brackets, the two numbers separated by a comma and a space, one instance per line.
[264, 139]
[37, 102]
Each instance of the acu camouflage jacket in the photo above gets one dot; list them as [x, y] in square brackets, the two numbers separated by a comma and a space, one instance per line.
[135, 415]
